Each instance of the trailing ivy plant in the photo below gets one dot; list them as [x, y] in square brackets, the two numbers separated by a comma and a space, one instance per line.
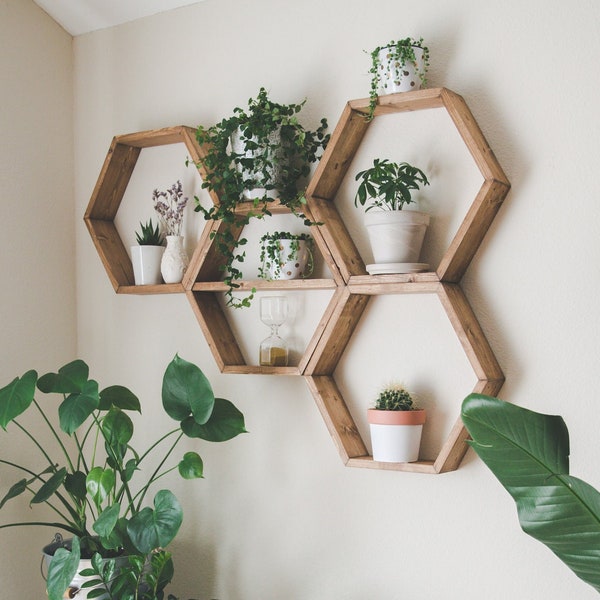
[271, 248]
[267, 163]
[94, 481]
[398, 54]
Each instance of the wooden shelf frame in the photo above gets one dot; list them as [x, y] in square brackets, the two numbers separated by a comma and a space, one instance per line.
[107, 196]
[352, 287]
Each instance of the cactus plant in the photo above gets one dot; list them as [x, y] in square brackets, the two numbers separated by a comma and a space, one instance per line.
[394, 397]
[150, 235]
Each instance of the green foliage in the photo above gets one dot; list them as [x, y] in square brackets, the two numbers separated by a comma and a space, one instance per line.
[394, 397]
[98, 497]
[529, 454]
[270, 249]
[275, 156]
[149, 235]
[399, 53]
[388, 185]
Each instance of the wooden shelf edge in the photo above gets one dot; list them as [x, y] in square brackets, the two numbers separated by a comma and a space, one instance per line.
[148, 290]
[367, 462]
[258, 370]
[263, 285]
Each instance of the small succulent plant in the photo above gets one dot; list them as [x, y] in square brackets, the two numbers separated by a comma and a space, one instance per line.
[394, 397]
[149, 235]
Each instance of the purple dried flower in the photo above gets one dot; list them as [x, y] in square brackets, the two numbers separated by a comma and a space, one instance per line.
[169, 206]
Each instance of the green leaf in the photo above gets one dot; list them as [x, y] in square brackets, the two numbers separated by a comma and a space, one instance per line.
[99, 483]
[75, 484]
[16, 397]
[77, 407]
[151, 529]
[117, 427]
[225, 423]
[15, 490]
[70, 379]
[185, 391]
[106, 521]
[50, 487]
[529, 454]
[62, 569]
[119, 397]
[191, 467]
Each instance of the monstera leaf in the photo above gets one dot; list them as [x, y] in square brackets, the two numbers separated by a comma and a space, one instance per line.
[529, 454]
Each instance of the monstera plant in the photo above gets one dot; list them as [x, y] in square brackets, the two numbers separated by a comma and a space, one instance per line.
[97, 484]
[529, 454]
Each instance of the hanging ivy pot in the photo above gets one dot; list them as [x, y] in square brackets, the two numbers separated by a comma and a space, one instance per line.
[285, 255]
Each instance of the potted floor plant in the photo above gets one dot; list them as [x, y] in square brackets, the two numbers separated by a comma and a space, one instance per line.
[284, 255]
[98, 485]
[529, 454]
[398, 66]
[396, 425]
[147, 255]
[254, 159]
[396, 235]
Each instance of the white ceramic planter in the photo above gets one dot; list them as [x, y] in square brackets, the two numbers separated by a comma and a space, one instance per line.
[396, 236]
[396, 434]
[146, 264]
[291, 265]
[395, 77]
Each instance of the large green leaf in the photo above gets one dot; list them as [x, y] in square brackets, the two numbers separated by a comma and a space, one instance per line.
[117, 427]
[99, 483]
[107, 520]
[529, 454]
[16, 397]
[62, 569]
[191, 466]
[120, 397]
[77, 407]
[150, 529]
[186, 391]
[224, 424]
[50, 487]
[70, 379]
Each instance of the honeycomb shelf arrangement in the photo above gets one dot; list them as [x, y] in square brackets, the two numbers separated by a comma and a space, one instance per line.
[351, 286]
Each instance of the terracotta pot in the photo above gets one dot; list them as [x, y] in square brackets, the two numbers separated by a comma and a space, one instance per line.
[396, 434]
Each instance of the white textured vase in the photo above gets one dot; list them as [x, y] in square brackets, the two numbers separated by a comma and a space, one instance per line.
[396, 77]
[175, 260]
[146, 264]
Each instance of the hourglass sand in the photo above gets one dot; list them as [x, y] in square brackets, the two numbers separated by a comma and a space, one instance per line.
[273, 350]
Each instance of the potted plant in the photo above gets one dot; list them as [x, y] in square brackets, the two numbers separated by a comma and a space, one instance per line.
[284, 255]
[529, 454]
[146, 256]
[169, 206]
[98, 485]
[254, 160]
[396, 425]
[397, 67]
[396, 235]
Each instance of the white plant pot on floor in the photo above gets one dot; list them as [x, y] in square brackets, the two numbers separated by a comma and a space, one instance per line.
[396, 236]
[396, 434]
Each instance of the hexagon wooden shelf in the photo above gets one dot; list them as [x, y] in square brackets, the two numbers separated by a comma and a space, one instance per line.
[106, 198]
[339, 332]
[352, 287]
[346, 140]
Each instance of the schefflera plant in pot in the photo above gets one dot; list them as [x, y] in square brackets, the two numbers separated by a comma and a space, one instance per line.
[97, 484]
[396, 425]
[396, 235]
[285, 255]
[255, 160]
[398, 66]
[146, 256]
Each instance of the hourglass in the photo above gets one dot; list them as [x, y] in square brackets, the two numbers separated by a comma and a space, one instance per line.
[273, 350]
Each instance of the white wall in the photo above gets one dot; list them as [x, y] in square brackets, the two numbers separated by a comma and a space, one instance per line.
[37, 261]
[278, 515]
